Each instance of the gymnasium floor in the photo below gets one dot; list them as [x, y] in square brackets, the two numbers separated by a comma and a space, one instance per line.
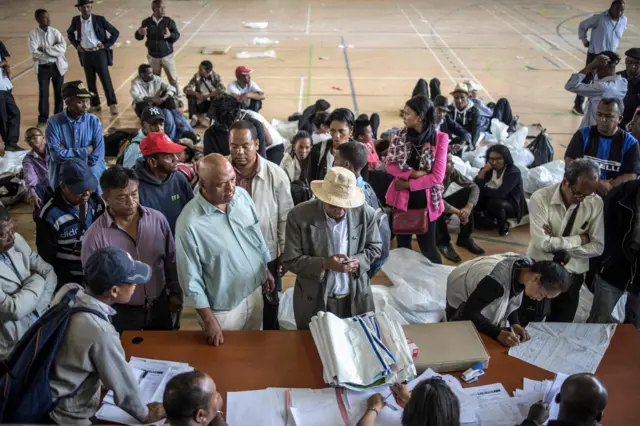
[522, 50]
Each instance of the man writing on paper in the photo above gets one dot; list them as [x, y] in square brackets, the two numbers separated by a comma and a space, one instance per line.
[331, 242]
[221, 253]
[568, 216]
[191, 399]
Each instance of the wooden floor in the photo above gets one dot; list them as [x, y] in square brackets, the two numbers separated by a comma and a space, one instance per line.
[522, 50]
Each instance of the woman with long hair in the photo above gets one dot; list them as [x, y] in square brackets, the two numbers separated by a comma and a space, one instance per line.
[296, 162]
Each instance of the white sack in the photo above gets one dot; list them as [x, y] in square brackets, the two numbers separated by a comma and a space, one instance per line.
[256, 55]
[544, 176]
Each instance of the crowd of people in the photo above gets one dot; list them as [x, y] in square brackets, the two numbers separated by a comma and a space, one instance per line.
[214, 224]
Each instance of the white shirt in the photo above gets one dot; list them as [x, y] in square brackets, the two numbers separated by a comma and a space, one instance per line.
[496, 181]
[276, 137]
[88, 38]
[235, 89]
[48, 47]
[320, 137]
[338, 282]
[141, 89]
[156, 20]
[609, 87]
[547, 208]
[5, 81]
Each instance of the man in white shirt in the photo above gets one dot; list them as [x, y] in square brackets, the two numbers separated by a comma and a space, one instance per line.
[568, 216]
[48, 50]
[148, 89]
[245, 90]
[9, 112]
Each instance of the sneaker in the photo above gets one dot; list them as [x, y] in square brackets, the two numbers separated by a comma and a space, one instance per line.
[42, 124]
[194, 121]
[450, 253]
[470, 245]
[503, 230]
[113, 109]
[578, 110]
[13, 148]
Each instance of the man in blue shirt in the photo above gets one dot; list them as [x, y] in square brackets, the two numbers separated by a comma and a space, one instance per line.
[75, 134]
[606, 31]
[9, 112]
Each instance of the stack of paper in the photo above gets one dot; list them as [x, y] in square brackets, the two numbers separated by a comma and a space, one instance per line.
[153, 376]
[565, 347]
[365, 351]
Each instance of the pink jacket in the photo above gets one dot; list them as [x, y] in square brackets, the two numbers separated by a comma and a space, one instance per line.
[400, 198]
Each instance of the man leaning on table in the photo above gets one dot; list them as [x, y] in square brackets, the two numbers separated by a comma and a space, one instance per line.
[221, 253]
[330, 244]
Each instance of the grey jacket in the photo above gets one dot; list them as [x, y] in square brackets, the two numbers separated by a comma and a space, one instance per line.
[91, 353]
[23, 297]
[307, 242]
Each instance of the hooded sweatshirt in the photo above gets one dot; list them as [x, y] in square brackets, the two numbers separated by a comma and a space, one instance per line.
[469, 119]
[168, 196]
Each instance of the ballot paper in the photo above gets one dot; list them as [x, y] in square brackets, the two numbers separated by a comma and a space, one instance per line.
[534, 391]
[259, 407]
[495, 406]
[552, 392]
[565, 347]
[315, 407]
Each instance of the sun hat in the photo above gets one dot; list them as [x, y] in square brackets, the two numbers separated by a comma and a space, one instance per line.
[338, 189]
[460, 88]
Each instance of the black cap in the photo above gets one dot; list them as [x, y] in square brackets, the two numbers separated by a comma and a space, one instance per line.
[75, 89]
[151, 114]
[634, 53]
[441, 102]
[111, 266]
[83, 2]
[76, 175]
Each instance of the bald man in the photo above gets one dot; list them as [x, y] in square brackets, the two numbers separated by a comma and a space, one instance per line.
[191, 399]
[582, 400]
[221, 253]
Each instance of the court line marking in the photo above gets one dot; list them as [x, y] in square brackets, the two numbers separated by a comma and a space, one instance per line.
[484, 89]
[301, 95]
[132, 76]
[309, 66]
[427, 45]
[308, 26]
[353, 89]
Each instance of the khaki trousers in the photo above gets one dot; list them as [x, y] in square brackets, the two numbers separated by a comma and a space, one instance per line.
[246, 316]
[168, 64]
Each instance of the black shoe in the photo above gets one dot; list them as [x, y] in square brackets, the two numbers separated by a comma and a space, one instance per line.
[578, 110]
[504, 229]
[450, 253]
[13, 148]
[42, 124]
[470, 245]
[484, 222]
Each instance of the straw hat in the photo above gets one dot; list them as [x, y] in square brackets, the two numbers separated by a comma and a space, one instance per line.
[460, 87]
[338, 189]
[473, 86]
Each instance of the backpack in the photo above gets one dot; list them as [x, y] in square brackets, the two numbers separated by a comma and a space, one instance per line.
[12, 188]
[113, 141]
[300, 192]
[25, 396]
[123, 148]
[542, 149]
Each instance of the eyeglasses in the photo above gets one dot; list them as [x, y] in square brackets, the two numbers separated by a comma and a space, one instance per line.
[578, 194]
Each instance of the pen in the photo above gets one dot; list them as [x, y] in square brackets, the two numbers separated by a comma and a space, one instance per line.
[387, 405]
[514, 333]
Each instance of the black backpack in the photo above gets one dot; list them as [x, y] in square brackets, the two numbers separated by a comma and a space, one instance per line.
[300, 192]
[542, 149]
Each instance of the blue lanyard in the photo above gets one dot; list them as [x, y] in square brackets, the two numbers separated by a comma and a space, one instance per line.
[372, 332]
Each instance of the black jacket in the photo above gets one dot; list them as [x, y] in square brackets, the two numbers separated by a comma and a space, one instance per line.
[157, 45]
[101, 27]
[619, 263]
[318, 160]
[631, 99]
[457, 133]
[216, 139]
[469, 120]
[510, 190]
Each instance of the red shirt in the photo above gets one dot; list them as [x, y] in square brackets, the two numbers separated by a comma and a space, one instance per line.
[373, 160]
[245, 182]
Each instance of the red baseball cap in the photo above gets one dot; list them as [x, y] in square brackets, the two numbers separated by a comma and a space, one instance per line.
[242, 70]
[159, 143]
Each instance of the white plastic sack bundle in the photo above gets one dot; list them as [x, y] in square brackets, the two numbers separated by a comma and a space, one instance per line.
[287, 129]
[522, 157]
[256, 55]
[256, 25]
[544, 176]
[263, 41]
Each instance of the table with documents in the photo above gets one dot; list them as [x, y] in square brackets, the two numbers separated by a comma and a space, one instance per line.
[283, 369]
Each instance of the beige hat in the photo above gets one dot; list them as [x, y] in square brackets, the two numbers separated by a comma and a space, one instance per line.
[473, 86]
[338, 189]
[460, 87]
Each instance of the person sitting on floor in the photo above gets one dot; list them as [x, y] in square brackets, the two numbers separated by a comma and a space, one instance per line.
[500, 110]
[296, 162]
[307, 120]
[148, 89]
[330, 259]
[273, 140]
[27, 284]
[151, 121]
[188, 160]
[461, 204]
[161, 187]
[221, 253]
[204, 85]
[364, 130]
[488, 291]
[145, 235]
[582, 398]
[501, 192]
[322, 125]
[430, 91]
[91, 354]
[430, 403]
[191, 399]
[65, 218]
[353, 157]
[322, 154]
[463, 112]
[245, 90]
[459, 138]
[614, 149]
[632, 75]
[35, 171]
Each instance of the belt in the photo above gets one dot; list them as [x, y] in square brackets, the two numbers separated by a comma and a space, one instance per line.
[92, 49]
[47, 64]
[338, 296]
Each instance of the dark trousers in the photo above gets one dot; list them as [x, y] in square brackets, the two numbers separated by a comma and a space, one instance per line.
[497, 208]
[195, 108]
[426, 242]
[275, 154]
[422, 88]
[272, 303]
[458, 200]
[339, 307]
[49, 73]
[588, 79]
[169, 103]
[9, 118]
[156, 316]
[502, 111]
[565, 306]
[255, 105]
[96, 64]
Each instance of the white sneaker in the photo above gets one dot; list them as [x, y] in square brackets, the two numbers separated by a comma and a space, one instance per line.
[194, 121]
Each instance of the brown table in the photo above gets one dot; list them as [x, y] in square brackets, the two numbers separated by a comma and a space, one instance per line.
[251, 360]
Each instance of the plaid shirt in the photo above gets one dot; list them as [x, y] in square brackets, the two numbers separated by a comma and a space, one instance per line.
[208, 85]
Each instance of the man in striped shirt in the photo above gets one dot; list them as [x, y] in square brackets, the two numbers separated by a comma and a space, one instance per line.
[64, 219]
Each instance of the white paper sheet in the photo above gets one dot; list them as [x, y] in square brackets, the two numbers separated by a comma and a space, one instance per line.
[550, 396]
[564, 347]
[258, 407]
[310, 407]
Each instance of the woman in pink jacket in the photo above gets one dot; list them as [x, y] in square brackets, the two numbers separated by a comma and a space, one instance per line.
[417, 159]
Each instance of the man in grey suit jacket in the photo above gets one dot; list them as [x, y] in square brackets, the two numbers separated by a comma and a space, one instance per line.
[330, 244]
[26, 285]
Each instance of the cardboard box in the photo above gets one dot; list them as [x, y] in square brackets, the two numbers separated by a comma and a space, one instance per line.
[447, 346]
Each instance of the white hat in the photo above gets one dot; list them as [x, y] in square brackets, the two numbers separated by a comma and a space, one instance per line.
[473, 86]
[460, 87]
[338, 189]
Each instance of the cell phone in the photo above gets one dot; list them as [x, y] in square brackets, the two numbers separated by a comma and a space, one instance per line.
[348, 261]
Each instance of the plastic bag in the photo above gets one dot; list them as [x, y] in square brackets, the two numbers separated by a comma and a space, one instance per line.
[522, 157]
[543, 176]
[542, 149]
[256, 55]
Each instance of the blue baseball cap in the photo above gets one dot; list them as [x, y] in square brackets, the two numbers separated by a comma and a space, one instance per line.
[76, 175]
[111, 266]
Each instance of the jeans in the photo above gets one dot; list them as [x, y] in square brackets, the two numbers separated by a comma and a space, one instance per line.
[605, 299]
[426, 242]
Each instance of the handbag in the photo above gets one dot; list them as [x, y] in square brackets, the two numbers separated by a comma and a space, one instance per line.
[413, 221]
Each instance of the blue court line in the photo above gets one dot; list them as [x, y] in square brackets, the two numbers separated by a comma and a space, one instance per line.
[562, 145]
[353, 89]
[551, 62]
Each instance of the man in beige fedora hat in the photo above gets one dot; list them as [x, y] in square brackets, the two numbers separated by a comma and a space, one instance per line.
[330, 244]
[465, 113]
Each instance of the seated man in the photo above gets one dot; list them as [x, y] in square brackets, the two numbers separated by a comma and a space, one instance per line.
[632, 75]
[500, 110]
[204, 85]
[615, 150]
[91, 355]
[149, 89]
[35, 171]
[192, 399]
[152, 121]
[460, 203]
[245, 90]
[463, 112]
[65, 218]
[27, 284]
[330, 258]
[459, 138]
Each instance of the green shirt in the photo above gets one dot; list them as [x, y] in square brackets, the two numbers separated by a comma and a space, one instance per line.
[222, 257]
